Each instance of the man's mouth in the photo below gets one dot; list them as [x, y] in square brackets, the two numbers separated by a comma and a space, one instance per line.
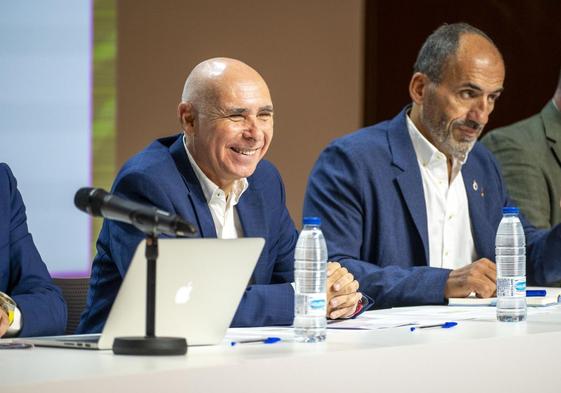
[468, 130]
[245, 151]
[470, 126]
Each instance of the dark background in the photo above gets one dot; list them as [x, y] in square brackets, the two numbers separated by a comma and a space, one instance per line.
[527, 32]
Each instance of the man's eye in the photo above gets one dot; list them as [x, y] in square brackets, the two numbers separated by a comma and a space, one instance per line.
[265, 115]
[467, 94]
[236, 117]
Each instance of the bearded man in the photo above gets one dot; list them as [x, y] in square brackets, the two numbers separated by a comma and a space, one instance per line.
[411, 206]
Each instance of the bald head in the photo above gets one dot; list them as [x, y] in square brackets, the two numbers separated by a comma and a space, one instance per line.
[210, 78]
[476, 54]
[226, 115]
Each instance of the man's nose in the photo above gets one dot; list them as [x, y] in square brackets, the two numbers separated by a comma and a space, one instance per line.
[480, 111]
[251, 130]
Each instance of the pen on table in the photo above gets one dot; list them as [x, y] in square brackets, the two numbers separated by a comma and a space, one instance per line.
[267, 340]
[535, 292]
[445, 325]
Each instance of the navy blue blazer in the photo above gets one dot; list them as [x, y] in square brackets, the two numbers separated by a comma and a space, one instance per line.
[368, 191]
[161, 175]
[23, 274]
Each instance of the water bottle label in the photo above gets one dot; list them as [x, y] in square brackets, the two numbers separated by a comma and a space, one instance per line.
[511, 287]
[311, 305]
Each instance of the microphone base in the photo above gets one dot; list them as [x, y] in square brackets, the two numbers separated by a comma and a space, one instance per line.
[150, 346]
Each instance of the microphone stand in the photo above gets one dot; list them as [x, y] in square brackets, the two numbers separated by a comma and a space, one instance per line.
[150, 344]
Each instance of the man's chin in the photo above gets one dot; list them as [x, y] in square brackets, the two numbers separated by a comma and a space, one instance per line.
[461, 153]
[240, 173]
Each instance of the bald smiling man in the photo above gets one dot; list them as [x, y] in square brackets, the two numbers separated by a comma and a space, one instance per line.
[212, 174]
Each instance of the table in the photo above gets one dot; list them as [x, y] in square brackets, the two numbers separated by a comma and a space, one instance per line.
[475, 356]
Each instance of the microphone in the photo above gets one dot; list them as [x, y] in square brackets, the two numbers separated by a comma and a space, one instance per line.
[149, 219]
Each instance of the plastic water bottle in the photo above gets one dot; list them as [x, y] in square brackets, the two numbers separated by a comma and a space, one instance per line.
[310, 278]
[510, 253]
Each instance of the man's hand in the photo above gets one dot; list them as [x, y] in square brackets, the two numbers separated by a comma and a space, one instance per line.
[479, 277]
[4, 322]
[342, 295]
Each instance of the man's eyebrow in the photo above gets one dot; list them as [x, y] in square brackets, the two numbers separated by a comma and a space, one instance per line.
[266, 108]
[236, 111]
[475, 87]
[472, 86]
[499, 90]
[242, 111]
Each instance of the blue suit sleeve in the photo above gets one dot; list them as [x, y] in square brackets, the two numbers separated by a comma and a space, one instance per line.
[265, 305]
[41, 303]
[543, 254]
[343, 190]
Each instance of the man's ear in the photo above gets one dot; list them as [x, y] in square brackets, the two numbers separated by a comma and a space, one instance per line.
[186, 116]
[417, 87]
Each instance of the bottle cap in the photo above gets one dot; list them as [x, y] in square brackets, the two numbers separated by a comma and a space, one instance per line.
[511, 210]
[311, 221]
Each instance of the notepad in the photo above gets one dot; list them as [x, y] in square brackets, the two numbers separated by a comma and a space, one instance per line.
[553, 296]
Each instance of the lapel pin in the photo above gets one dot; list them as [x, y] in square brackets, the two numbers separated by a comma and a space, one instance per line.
[475, 186]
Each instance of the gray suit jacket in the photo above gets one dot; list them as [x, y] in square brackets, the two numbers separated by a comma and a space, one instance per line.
[530, 156]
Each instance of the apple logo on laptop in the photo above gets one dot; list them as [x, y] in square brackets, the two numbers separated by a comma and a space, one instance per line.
[183, 294]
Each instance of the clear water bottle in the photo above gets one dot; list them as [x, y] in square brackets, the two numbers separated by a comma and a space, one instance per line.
[510, 253]
[310, 278]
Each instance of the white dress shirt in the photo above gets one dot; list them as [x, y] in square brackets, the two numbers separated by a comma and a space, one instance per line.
[224, 215]
[451, 243]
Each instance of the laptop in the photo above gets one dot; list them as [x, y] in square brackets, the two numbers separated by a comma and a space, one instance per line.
[199, 284]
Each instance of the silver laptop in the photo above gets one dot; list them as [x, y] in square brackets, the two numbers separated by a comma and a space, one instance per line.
[199, 284]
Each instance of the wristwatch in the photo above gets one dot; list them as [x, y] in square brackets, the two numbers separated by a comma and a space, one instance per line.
[8, 305]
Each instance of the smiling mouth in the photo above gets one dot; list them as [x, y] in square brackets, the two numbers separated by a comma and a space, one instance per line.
[245, 151]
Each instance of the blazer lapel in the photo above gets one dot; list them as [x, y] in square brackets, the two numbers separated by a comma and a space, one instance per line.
[195, 192]
[482, 232]
[251, 211]
[409, 180]
[551, 118]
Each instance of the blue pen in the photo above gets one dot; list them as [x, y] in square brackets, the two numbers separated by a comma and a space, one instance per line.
[535, 292]
[445, 325]
[268, 340]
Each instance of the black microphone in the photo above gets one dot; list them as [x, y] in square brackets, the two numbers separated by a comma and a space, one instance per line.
[148, 219]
